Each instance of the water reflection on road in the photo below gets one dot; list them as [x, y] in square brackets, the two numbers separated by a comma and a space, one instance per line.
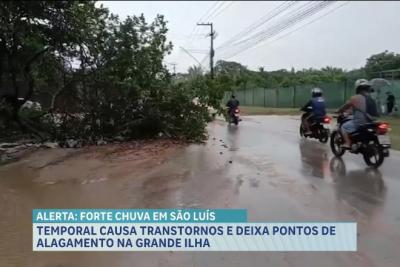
[261, 165]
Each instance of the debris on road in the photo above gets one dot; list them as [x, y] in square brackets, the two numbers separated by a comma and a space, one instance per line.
[50, 145]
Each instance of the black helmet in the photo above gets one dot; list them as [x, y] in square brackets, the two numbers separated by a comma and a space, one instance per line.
[316, 92]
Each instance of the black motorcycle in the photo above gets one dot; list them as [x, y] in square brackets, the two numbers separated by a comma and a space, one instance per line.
[371, 140]
[318, 127]
[233, 115]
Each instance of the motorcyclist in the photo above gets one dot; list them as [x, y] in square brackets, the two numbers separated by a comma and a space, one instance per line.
[363, 110]
[315, 109]
[232, 104]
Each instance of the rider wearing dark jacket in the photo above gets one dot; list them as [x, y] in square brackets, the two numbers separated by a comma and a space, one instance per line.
[232, 104]
[315, 109]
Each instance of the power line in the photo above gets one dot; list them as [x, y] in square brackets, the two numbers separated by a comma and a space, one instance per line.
[273, 13]
[270, 15]
[279, 27]
[209, 10]
[251, 28]
[219, 13]
[217, 5]
[222, 3]
[310, 22]
[297, 19]
[210, 15]
[190, 55]
[204, 59]
[278, 10]
[195, 28]
[199, 51]
[306, 4]
[304, 10]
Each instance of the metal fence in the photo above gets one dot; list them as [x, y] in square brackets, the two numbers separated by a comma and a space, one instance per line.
[335, 95]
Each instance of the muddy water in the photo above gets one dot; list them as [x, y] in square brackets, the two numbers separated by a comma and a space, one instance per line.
[262, 166]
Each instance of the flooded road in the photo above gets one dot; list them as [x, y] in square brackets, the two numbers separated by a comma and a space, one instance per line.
[262, 165]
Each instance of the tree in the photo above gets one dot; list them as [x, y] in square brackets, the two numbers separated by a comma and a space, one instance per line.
[124, 80]
[381, 62]
[32, 30]
[195, 71]
[106, 77]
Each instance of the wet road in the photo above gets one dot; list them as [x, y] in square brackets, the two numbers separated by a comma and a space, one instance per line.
[262, 166]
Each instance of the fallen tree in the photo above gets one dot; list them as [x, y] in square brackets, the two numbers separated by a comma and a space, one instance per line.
[97, 77]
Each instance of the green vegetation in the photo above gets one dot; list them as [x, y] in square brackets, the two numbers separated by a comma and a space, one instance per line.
[95, 76]
[395, 130]
[248, 110]
[382, 64]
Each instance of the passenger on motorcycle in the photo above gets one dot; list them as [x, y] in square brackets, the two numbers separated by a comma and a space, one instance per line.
[363, 110]
[232, 104]
[315, 109]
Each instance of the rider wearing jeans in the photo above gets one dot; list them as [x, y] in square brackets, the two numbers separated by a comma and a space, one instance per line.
[363, 108]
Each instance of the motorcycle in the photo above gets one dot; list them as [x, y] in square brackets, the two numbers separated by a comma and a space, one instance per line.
[319, 128]
[371, 140]
[234, 116]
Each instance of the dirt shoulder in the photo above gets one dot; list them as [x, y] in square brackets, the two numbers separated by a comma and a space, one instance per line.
[89, 162]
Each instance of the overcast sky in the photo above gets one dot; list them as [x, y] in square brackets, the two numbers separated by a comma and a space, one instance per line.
[345, 37]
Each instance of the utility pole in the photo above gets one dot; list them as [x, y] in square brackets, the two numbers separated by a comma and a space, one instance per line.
[212, 34]
[173, 64]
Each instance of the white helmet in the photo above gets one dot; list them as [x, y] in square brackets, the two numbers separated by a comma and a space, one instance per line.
[315, 92]
[362, 85]
[361, 82]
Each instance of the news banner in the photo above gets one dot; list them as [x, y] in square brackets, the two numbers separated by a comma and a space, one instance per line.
[182, 230]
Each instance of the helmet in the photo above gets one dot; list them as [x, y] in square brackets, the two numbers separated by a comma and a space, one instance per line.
[316, 92]
[362, 85]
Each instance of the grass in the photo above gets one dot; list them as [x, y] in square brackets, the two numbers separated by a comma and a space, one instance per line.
[393, 121]
[395, 132]
[247, 110]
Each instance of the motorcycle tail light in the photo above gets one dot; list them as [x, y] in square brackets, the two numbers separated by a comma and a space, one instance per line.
[327, 119]
[383, 128]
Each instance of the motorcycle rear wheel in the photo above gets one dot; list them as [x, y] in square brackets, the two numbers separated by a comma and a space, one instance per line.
[324, 136]
[373, 156]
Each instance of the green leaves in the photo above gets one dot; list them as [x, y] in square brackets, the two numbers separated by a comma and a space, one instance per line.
[242, 77]
[382, 62]
[101, 76]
